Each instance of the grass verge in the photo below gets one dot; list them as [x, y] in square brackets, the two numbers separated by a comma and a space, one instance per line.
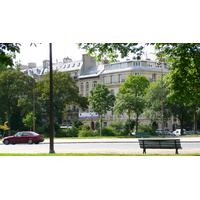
[91, 154]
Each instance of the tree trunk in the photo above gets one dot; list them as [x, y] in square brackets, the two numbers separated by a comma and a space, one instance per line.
[129, 124]
[100, 125]
[8, 118]
[181, 123]
[137, 116]
[195, 120]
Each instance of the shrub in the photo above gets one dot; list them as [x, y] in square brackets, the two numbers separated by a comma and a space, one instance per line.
[77, 123]
[147, 128]
[86, 131]
[117, 125]
[61, 133]
[72, 132]
[132, 124]
[108, 131]
[97, 126]
[40, 130]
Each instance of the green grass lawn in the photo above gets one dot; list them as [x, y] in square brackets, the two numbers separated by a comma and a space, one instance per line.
[91, 154]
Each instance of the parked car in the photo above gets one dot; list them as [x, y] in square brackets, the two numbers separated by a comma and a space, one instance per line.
[177, 132]
[166, 132]
[29, 137]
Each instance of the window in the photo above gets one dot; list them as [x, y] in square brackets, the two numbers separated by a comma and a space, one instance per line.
[120, 78]
[87, 86]
[136, 63]
[112, 92]
[25, 134]
[137, 73]
[105, 80]
[153, 77]
[94, 83]
[82, 86]
[112, 79]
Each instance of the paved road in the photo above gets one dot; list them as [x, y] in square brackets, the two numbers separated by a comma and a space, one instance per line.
[110, 145]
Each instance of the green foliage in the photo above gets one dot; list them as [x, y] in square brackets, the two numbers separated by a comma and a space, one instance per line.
[97, 126]
[68, 132]
[72, 132]
[130, 96]
[101, 100]
[65, 93]
[108, 131]
[28, 120]
[14, 85]
[77, 123]
[111, 50]
[117, 125]
[136, 85]
[147, 128]
[6, 51]
[47, 128]
[156, 93]
[129, 123]
[85, 131]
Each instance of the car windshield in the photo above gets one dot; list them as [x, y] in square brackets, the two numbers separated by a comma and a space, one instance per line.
[18, 134]
[34, 133]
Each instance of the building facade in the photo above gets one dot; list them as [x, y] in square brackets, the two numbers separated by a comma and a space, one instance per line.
[88, 73]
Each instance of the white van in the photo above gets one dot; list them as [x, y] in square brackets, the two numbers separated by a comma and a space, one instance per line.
[177, 132]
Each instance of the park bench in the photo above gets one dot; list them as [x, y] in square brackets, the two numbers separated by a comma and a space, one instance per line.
[142, 134]
[160, 144]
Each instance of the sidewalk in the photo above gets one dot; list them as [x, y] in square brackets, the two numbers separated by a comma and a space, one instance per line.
[116, 140]
[129, 150]
[125, 151]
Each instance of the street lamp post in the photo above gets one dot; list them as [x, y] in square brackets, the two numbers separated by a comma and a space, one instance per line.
[162, 106]
[162, 102]
[51, 118]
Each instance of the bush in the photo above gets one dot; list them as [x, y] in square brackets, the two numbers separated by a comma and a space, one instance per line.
[77, 123]
[108, 131]
[117, 125]
[86, 131]
[132, 124]
[47, 129]
[147, 128]
[40, 130]
[61, 133]
[72, 132]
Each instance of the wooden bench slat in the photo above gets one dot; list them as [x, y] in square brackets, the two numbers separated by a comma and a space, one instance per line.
[160, 144]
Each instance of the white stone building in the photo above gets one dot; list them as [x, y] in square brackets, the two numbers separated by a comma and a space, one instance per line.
[88, 73]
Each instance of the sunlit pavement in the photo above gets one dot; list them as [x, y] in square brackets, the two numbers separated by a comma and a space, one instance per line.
[34, 149]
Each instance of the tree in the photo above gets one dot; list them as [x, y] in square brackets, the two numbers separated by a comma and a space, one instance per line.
[130, 103]
[101, 100]
[130, 96]
[14, 85]
[6, 51]
[65, 93]
[4, 128]
[111, 50]
[28, 120]
[154, 102]
[156, 94]
[185, 72]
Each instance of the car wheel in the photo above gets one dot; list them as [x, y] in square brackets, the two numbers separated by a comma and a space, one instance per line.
[6, 142]
[30, 141]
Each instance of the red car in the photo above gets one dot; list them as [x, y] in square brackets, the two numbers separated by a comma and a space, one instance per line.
[29, 137]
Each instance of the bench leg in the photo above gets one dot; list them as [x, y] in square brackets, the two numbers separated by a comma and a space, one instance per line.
[176, 151]
[144, 151]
